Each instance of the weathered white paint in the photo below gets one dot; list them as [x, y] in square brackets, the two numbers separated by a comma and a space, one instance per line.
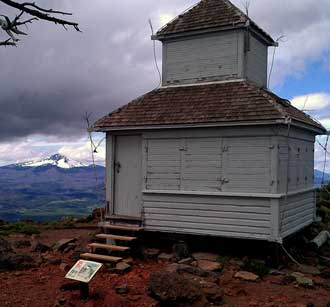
[209, 215]
[218, 181]
[256, 61]
[128, 175]
[296, 212]
[203, 58]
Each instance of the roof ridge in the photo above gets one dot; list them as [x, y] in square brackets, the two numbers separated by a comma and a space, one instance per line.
[237, 10]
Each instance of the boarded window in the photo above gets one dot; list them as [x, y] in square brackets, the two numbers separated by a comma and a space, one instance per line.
[202, 161]
[210, 164]
[247, 165]
[163, 164]
[189, 164]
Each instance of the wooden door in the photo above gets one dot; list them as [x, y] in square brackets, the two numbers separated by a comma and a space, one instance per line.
[128, 176]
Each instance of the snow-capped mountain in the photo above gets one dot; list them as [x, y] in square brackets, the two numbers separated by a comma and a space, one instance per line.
[55, 160]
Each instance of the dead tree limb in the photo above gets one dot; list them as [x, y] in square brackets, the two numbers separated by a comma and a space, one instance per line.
[37, 13]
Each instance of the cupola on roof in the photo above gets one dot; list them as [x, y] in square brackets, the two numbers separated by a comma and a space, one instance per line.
[210, 15]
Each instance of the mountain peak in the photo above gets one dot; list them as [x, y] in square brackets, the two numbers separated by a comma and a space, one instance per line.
[57, 160]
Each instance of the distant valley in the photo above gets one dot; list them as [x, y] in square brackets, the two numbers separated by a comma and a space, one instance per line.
[49, 189]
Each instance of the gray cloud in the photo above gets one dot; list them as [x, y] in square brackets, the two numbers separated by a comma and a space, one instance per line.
[55, 76]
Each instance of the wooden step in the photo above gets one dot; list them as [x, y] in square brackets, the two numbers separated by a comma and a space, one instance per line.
[124, 218]
[109, 247]
[101, 257]
[122, 227]
[114, 237]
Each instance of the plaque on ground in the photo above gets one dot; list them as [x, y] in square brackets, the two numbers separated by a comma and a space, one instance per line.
[83, 271]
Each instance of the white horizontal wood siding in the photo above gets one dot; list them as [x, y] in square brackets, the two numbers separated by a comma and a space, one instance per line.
[256, 61]
[207, 215]
[203, 58]
[247, 165]
[296, 212]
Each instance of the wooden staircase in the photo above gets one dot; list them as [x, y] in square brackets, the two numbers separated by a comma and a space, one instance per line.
[117, 235]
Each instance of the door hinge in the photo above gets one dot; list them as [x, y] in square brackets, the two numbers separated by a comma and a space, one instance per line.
[225, 148]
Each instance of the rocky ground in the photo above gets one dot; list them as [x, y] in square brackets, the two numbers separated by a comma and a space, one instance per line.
[33, 269]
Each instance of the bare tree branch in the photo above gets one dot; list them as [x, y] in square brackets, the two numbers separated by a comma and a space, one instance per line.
[7, 42]
[37, 13]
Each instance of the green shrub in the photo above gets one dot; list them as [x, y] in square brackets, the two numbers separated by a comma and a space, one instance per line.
[256, 267]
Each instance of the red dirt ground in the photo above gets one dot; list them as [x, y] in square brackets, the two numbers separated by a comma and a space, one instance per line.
[40, 287]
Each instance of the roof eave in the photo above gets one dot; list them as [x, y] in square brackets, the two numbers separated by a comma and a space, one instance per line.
[255, 29]
[193, 125]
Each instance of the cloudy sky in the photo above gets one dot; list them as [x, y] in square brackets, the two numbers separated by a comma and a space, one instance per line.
[54, 76]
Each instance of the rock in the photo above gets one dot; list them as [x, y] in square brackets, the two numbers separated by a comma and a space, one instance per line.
[122, 268]
[248, 276]
[276, 273]
[302, 280]
[114, 300]
[151, 253]
[205, 256]
[210, 266]
[173, 289]
[325, 274]
[128, 260]
[212, 292]
[40, 248]
[22, 243]
[165, 257]
[5, 247]
[183, 268]
[21, 262]
[172, 268]
[308, 269]
[63, 243]
[180, 250]
[64, 267]
[70, 247]
[188, 261]
[122, 289]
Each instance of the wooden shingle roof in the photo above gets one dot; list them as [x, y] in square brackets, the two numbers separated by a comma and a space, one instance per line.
[208, 14]
[216, 103]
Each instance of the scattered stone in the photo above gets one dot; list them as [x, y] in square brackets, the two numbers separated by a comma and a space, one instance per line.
[325, 275]
[212, 292]
[180, 250]
[183, 268]
[63, 243]
[172, 288]
[40, 248]
[276, 273]
[52, 259]
[129, 260]
[64, 267]
[122, 289]
[210, 266]
[302, 280]
[165, 257]
[188, 261]
[70, 247]
[151, 253]
[122, 268]
[248, 276]
[172, 268]
[205, 256]
[308, 269]
[22, 243]
[5, 247]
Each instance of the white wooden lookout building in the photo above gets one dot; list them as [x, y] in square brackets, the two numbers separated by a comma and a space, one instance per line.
[212, 151]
